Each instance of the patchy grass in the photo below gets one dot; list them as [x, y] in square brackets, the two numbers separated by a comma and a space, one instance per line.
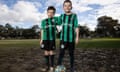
[99, 43]
[83, 43]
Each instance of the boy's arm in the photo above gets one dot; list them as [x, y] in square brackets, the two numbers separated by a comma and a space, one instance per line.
[77, 35]
[58, 20]
[76, 29]
[41, 32]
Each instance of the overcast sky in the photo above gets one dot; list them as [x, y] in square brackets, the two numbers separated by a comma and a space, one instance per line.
[25, 13]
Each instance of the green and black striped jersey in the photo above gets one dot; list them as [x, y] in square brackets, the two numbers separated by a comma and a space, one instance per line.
[49, 28]
[69, 24]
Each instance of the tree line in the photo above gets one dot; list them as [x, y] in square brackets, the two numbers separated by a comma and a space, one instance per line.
[106, 27]
[9, 32]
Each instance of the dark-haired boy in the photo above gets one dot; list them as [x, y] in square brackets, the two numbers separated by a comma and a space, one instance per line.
[47, 42]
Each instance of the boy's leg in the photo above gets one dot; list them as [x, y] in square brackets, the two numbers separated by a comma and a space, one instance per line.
[52, 47]
[46, 55]
[51, 60]
[47, 59]
[71, 54]
[61, 53]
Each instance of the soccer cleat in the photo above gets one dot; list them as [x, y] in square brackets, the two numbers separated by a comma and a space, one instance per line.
[51, 69]
[45, 69]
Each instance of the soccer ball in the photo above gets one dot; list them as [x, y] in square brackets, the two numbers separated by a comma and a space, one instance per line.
[60, 68]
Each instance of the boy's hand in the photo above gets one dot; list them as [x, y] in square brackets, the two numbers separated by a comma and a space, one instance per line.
[40, 42]
[77, 40]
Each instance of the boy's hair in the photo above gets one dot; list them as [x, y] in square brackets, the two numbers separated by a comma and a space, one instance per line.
[51, 8]
[67, 1]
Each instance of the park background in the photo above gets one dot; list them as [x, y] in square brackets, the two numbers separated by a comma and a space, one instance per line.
[99, 44]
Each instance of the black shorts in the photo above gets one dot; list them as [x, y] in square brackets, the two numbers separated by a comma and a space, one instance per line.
[48, 45]
[67, 45]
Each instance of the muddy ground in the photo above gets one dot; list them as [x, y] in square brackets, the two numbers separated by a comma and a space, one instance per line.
[86, 60]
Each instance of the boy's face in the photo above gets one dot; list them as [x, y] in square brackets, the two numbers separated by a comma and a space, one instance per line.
[50, 13]
[67, 7]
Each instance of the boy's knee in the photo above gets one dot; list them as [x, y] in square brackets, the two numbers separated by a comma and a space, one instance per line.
[46, 52]
[51, 53]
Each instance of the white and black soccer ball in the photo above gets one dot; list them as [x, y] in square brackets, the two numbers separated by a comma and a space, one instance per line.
[60, 68]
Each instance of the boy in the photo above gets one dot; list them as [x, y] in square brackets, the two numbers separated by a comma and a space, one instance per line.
[69, 33]
[48, 29]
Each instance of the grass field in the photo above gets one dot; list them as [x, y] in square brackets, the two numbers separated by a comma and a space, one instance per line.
[26, 56]
[83, 43]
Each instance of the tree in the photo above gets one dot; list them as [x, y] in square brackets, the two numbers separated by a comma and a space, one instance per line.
[9, 30]
[84, 31]
[36, 31]
[31, 32]
[105, 27]
[2, 30]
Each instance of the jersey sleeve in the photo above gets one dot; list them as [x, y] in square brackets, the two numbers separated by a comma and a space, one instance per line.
[76, 21]
[59, 20]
